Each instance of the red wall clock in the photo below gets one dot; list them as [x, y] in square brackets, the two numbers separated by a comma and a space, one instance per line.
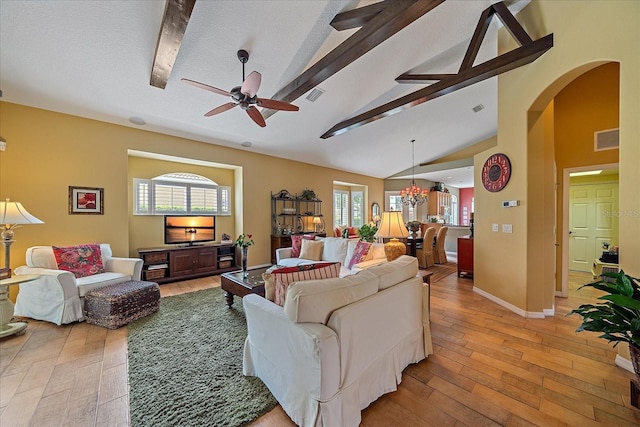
[496, 172]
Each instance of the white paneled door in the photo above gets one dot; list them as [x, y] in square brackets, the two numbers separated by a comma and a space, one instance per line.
[593, 220]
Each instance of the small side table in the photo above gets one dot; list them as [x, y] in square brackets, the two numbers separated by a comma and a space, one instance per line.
[6, 306]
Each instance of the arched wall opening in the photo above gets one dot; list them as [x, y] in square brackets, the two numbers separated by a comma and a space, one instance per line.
[560, 136]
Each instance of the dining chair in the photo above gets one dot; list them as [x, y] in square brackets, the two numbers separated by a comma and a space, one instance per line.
[425, 254]
[440, 255]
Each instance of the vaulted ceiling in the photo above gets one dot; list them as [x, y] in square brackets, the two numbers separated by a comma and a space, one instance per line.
[95, 59]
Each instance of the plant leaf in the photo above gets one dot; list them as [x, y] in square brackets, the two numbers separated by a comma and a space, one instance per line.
[623, 301]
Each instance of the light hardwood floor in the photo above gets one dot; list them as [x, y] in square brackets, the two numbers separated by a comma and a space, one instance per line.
[490, 367]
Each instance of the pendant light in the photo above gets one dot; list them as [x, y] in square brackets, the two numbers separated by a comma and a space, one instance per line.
[413, 195]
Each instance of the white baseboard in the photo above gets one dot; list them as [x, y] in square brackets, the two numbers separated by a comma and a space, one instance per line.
[511, 307]
[624, 363]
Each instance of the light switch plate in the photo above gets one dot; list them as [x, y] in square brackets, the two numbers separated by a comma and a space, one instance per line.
[507, 228]
[494, 227]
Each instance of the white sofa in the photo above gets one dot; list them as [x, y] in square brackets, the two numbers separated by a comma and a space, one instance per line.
[335, 249]
[339, 344]
[58, 296]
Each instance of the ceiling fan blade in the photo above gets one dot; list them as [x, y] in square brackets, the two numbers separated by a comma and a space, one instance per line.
[207, 87]
[221, 109]
[256, 116]
[251, 84]
[276, 105]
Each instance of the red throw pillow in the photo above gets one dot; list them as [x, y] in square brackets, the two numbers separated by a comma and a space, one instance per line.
[81, 260]
[296, 243]
[283, 277]
[359, 253]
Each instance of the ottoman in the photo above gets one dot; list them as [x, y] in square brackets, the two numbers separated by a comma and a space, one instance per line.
[116, 305]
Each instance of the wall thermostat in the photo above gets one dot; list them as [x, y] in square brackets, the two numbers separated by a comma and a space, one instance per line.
[510, 203]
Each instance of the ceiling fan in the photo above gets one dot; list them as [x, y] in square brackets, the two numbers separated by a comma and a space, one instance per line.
[245, 95]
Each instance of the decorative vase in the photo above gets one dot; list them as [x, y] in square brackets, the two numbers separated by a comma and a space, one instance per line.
[245, 259]
[634, 352]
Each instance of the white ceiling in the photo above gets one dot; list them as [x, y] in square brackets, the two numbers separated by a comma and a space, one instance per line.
[93, 59]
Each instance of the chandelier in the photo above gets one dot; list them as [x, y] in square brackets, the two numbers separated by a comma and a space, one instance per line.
[413, 195]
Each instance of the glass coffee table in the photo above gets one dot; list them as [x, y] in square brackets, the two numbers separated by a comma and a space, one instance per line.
[234, 284]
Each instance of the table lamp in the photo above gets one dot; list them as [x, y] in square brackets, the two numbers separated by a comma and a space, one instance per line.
[316, 222]
[12, 215]
[392, 226]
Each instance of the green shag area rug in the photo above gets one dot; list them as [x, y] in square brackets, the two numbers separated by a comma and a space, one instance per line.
[185, 365]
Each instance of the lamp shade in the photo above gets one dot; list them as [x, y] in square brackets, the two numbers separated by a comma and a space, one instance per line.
[316, 220]
[14, 213]
[392, 225]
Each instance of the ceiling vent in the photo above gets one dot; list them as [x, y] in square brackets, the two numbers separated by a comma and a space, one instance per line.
[315, 94]
[606, 139]
[478, 108]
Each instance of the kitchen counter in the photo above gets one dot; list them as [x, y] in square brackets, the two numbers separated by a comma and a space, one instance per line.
[455, 231]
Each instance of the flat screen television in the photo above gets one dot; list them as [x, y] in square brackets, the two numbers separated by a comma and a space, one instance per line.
[189, 229]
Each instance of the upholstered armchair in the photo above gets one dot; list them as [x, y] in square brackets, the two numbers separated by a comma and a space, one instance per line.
[58, 295]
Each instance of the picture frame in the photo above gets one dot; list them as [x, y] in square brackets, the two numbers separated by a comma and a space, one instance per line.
[86, 200]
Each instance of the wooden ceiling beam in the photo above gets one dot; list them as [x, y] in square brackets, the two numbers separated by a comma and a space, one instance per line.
[393, 16]
[357, 17]
[476, 39]
[528, 52]
[511, 24]
[503, 63]
[174, 24]
[422, 78]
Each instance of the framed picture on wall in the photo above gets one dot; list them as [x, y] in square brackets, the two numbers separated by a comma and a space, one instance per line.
[86, 200]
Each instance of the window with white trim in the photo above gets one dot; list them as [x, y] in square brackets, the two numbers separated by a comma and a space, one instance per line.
[348, 208]
[393, 202]
[340, 208]
[357, 208]
[454, 210]
[180, 193]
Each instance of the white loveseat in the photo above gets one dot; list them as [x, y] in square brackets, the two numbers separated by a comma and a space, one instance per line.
[335, 249]
[58, 296]
[339, 344]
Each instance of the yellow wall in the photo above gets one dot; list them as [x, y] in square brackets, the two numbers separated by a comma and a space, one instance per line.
[588, 104]
[47, 152]
[586, 35]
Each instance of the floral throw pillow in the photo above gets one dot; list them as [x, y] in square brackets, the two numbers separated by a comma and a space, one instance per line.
[283, 277]
[81, 260]
[296, 243]
[359, 253]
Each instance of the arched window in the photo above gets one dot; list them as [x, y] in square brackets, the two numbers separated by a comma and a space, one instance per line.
[180, 193]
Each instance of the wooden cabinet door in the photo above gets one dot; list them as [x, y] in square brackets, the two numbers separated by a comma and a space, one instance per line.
[182, 262]
[206, 259]
[465, 255]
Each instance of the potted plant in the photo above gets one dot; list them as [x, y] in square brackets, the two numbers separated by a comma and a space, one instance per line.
[414, 226]
[308, 194]
[618, 317]
[367, 233]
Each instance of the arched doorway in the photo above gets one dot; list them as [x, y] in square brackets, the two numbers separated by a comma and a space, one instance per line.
[583, 101]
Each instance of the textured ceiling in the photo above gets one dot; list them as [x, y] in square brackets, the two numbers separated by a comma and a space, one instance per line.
[93, 59]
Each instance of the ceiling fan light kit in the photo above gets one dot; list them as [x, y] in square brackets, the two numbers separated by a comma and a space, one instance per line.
[245, 95]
